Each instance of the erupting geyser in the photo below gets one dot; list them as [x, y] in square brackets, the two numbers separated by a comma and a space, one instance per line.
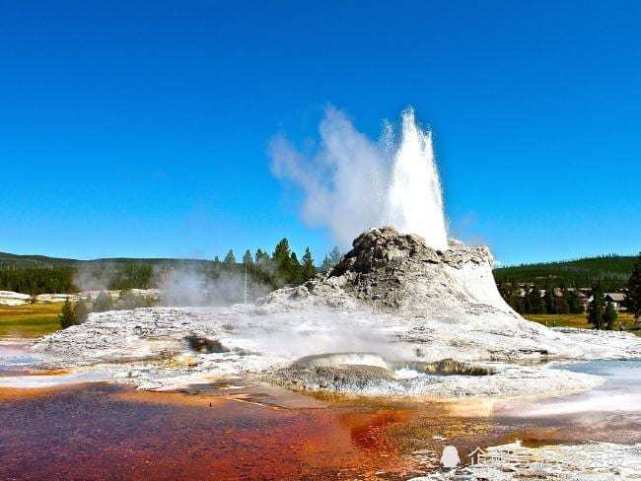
[353, 183]
[404, 312]
[415, 200]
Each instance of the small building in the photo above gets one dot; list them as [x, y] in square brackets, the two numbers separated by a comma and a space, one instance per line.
[584, 296]
[617, 299]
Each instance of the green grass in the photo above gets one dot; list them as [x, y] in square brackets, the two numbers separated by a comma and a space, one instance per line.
[30, 320]
[573, 320]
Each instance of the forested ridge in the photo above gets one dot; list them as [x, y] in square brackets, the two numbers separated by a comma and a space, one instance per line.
[35, 274]
[611, 271]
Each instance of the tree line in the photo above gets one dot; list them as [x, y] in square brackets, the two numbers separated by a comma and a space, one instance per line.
[528, 299]
[611, 271]
[280, 268]
[601, 314]
[273, 270]
[37, 280]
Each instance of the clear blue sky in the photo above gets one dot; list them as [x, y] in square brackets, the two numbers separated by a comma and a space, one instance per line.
[141, 129]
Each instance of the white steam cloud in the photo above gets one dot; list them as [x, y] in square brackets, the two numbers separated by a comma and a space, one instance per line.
[352, 183]
[194, 287]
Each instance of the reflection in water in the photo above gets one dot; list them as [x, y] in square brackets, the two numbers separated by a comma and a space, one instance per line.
[609, 413]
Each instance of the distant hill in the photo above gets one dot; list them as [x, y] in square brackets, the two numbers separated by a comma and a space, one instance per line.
[35, 274]
[37, 261]
[612, 271]
[14, 260]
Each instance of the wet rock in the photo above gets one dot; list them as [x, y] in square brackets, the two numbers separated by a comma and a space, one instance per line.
[352, 378]
[382, 247]
[451, 367]
[342, 359]
[204, 345]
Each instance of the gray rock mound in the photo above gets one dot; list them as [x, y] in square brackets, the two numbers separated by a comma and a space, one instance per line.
[358, 372]
[392, 271]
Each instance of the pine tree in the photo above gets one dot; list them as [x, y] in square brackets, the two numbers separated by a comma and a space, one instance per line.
[326, 265]
[596, 309]
[308, 265]
[282, 258]
[610, 316]
[549, 299]
[295, 270]
[67, 316]
[505, 289]
[562, 306]
[535, 301]
[331, 260]
[335, 255]
[517, 302]
[281, 252]
[527, 298]
[247, 258]
[230, 259]
[633, 291]
[574, 302]
[262, 257]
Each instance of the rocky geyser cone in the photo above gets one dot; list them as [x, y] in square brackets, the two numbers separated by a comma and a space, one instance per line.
[383, 247]
[390, 270]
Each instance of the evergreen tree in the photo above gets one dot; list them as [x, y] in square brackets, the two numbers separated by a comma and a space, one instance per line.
[610, 316]
[562, 306]
[282, 252]
[526, 301]
[67, 316]
[216, 267]
[536, 301]
[295, 270]
[331, 259]
[230, 259]
[131, 300]
[132, 276]
[549, 299]
[517, 302]
[81, 311]
[247, 258]
[335, 256]
[633, 292]
[282, 258]
[308, 265]
[505, 289]
[574, 302]
[103, 302]
[596, 308]
[326, 265]
[262, 258]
